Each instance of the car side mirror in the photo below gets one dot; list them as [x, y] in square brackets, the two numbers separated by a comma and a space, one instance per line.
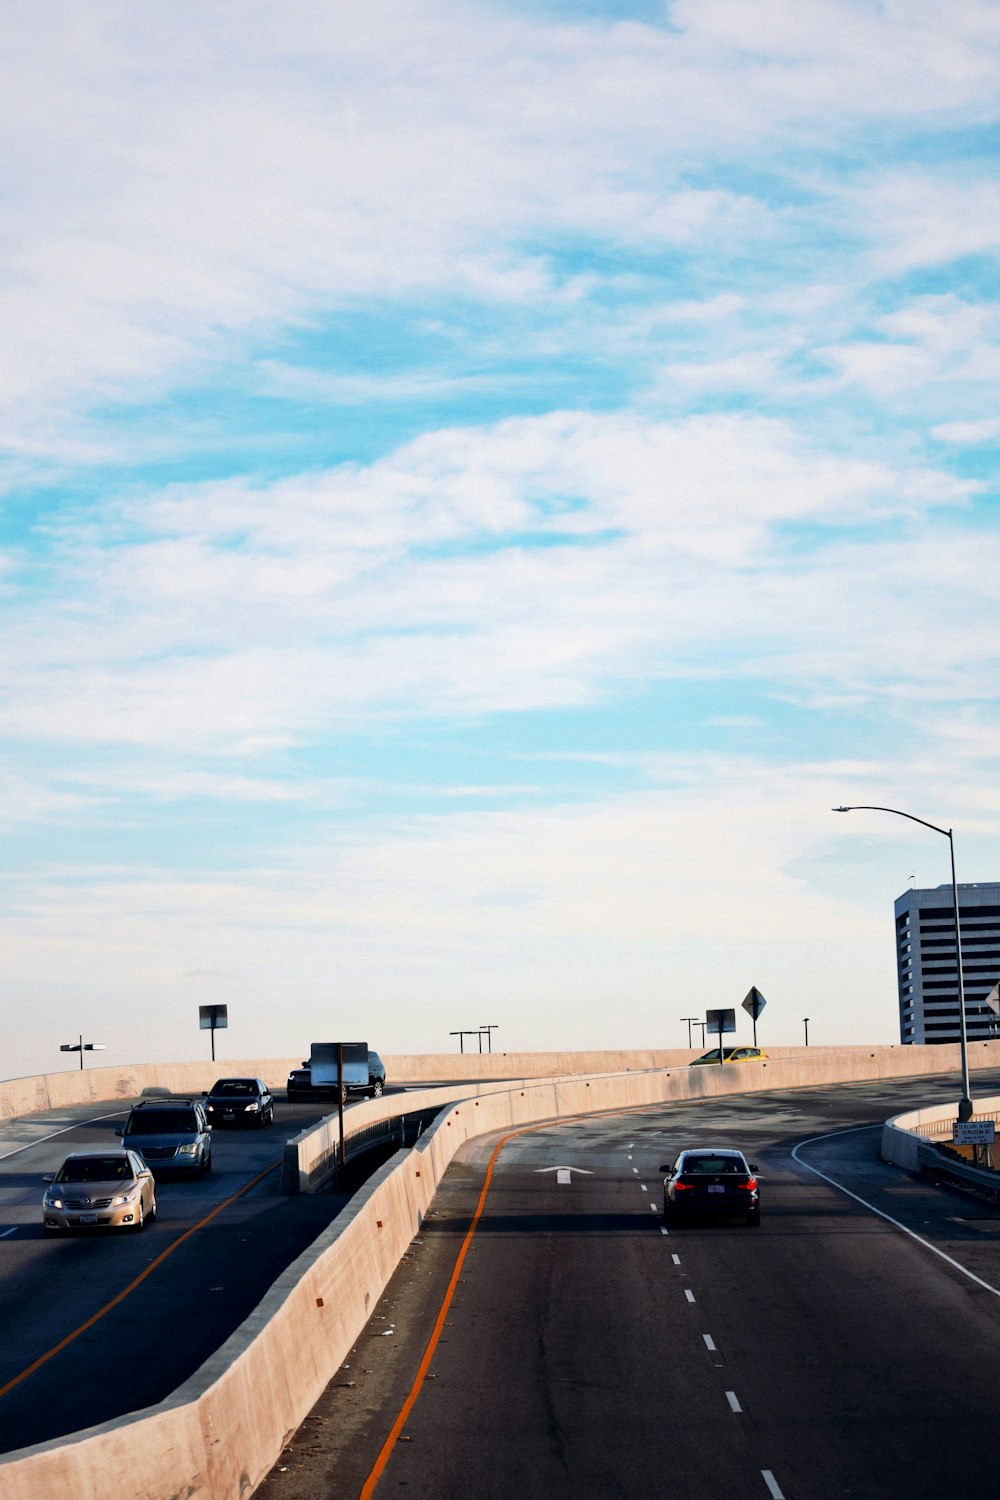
[204, 1093]
[753, 1166]
[668, 1168]
[119, 1130]
[49, 1177]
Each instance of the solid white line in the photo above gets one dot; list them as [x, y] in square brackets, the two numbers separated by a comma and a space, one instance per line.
[772, 1484]
[887, 1217]
[733, 1402]
[9, 1231]
[689, 1294]
[40, 1140]
[709, 1342]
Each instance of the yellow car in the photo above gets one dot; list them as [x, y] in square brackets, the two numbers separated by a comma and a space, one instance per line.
[730, 1055]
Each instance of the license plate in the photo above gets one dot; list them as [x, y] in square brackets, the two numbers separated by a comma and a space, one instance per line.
[228, 1115]
[88, 1219]
[714, 1187]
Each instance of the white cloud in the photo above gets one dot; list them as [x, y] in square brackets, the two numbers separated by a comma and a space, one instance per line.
[179, 179]
[243, 615]
[985, 430]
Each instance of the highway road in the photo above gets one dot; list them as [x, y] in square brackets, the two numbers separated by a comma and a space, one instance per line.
[98, 1324]
[849, 1347]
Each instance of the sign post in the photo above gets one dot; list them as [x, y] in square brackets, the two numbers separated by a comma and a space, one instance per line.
[81, 1046]
[753, 1005]
[719, 1021]
[211, 1017]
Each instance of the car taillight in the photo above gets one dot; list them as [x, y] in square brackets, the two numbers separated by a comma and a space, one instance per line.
[750, 1184]
[681, 1186]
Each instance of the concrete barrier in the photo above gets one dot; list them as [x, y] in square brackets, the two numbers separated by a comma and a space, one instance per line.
[219, 1435]
[73, 1086]
[903, 1135]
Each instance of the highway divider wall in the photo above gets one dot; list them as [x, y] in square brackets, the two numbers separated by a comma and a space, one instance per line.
[44, 1092]
[219, 1435]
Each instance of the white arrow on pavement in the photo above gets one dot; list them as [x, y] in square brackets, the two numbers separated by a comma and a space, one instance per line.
[563, 1174]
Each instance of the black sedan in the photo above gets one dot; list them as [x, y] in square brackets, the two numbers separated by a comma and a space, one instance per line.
[709, 1181]
[239, 1101]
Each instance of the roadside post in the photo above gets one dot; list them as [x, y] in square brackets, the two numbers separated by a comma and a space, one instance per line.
[211, 1018]
[719, 1021]
[81, 1046]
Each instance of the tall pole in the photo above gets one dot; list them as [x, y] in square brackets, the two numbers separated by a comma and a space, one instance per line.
[965, 1103]
[689, 1020]
[805, 1022]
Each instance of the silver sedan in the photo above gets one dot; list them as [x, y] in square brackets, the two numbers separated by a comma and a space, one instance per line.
[99, 1189]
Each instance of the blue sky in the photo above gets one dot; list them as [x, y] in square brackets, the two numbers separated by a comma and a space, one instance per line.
[478, 483]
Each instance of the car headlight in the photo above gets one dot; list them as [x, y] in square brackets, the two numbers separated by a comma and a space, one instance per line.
[51, 1202]
[189, 1150]
[252, 1109]
[127, 1197]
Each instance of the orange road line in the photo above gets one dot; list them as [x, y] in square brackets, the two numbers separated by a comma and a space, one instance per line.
[386, 1451]
[96, 1317]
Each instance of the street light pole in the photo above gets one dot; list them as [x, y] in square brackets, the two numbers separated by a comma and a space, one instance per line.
[965, 1103]
[805, 1022]
[81, 1046]
[690, 1020]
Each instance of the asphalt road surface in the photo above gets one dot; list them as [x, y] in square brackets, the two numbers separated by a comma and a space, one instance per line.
[97, 1324]
[849, 1347]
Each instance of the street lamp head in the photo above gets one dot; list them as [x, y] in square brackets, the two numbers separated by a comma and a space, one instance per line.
[841, 809]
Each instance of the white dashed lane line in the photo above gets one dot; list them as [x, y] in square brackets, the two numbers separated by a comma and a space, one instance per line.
[676, 1259]
[709, 1343]
[689, 1294]
[733, 1400]
[773, 1487]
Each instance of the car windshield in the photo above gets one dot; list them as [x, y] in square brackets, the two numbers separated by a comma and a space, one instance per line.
[162, 1122]
[94, 1169]
[711, 1164]
[234, 1086]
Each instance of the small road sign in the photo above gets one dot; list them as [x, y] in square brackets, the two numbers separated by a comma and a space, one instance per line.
[754, 1002]
[974, 1132]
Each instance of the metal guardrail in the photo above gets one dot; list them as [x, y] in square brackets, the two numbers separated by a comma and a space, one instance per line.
[941, 1159]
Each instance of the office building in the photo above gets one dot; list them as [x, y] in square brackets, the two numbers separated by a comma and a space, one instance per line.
[926, 962]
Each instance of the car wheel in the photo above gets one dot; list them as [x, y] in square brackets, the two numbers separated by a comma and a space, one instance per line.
[140, 1219]
[753, 1219]
[152, 1212]
[206, 1163]
[377, 1088]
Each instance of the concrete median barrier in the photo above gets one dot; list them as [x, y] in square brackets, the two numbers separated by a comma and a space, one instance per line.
[219, 1435]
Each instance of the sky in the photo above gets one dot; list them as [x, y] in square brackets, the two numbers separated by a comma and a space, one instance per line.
[479, 482]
